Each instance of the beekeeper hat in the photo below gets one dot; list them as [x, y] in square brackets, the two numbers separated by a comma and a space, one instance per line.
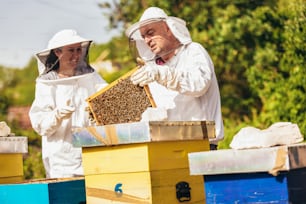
[151, 15]
[154, 14]
[62, 38]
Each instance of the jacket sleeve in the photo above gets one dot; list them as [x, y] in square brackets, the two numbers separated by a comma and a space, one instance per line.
[43, 112]
[192, 75]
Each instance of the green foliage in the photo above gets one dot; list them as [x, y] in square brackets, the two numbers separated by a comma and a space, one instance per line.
[278, 74]
[19, 84]
[32, 164]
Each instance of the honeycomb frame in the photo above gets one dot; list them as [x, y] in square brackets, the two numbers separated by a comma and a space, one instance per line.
[120, 102]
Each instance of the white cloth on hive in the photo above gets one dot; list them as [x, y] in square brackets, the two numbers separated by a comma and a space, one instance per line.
[280, 133]
[5, 130]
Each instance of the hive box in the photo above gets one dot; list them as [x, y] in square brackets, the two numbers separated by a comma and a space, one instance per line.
[265, 175]
[46, 191]
[144, 162]
[11, 158]
[143, 173]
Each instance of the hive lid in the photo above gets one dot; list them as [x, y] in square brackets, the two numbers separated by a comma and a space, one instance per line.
[120, 102]
[14, 144]
[229, 161]
[139, 132]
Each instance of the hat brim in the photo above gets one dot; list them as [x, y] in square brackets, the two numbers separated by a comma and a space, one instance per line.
[43, 55]
[133, 28]
[46, 52]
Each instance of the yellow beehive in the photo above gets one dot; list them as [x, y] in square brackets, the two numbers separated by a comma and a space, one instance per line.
[143, 173]
[11, 158]
[11, 170]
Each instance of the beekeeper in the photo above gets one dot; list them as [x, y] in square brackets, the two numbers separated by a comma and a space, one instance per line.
[179, 72]
[65, 81]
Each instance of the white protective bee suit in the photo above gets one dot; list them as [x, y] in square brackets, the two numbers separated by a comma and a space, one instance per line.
[186, 85]
[59, 105]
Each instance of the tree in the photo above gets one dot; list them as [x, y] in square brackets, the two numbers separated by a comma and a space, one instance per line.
[278, 74]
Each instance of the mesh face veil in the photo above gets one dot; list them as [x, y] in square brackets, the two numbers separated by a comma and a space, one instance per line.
[137, 45]
[60, 39]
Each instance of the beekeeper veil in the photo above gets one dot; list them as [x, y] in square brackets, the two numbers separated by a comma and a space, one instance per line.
[48, 61]
[139, 48]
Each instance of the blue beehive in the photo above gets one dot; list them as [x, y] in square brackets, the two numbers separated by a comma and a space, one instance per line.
[48, 191]
[265, 175]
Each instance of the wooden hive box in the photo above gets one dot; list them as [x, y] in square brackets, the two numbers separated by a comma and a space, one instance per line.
[143, 162]
[120, 102]
[153, 172]
[44, 191]
[266, 175]
[11, 158]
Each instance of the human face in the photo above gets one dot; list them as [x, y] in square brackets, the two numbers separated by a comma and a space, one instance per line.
[69, 56]
[158, 37]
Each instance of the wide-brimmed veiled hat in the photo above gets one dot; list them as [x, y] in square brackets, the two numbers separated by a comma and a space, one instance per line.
[60, 39]
[155, 14]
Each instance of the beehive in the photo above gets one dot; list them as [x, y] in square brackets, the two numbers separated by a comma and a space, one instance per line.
[143, 162]
[44, 191]
[11, 158]
[260, 175]
[152, 173]
[120, 102]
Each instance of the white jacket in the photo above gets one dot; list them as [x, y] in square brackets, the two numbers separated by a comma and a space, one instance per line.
[60, 158]
[190, 90]
[187, 86]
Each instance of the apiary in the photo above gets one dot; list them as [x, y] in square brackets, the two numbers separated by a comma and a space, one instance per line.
[120, 102]
[12, 149]
[144, 162]
[44, 191]
[263, 175]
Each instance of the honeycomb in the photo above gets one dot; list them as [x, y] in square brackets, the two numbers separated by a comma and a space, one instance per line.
[120, 102]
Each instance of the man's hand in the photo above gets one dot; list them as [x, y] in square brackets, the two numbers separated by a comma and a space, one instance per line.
[145, 75]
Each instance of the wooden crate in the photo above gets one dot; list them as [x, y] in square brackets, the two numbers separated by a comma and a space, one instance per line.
[11, 158]
[265, 175]
[45, 191]
[142, 173]
[120, 102]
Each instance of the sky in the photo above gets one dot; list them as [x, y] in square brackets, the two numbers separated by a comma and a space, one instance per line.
[28, 25]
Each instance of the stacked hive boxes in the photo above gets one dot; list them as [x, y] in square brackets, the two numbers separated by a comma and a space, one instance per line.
[143, 162]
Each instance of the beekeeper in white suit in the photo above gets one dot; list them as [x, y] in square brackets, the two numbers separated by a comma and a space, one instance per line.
[65, 81]
[179, 72]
